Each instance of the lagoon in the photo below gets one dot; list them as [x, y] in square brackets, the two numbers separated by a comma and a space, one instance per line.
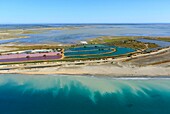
[87, 31]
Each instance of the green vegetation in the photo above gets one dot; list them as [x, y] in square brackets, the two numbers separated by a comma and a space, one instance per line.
[123, 41]
[167, 39]
[133, 44]
[109, 39]
[164, 39]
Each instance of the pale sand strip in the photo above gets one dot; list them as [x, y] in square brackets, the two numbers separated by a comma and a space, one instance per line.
[105, 70]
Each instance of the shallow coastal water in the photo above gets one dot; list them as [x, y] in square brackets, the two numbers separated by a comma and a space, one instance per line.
[61, 94]
[86, 31]
[160, 43]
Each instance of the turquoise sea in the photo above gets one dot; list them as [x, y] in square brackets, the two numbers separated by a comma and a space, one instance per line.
[63, 94]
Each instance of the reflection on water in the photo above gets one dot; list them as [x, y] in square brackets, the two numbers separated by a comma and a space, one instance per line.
[86, 31]
[81, 95]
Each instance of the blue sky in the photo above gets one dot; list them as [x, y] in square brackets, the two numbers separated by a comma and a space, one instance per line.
[84, 11]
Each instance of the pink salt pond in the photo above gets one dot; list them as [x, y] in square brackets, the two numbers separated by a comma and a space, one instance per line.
[30, 57]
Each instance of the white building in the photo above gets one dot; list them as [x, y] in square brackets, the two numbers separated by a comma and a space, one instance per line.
[83, 42]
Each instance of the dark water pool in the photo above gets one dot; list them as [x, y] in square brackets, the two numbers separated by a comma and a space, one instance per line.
[93, 51]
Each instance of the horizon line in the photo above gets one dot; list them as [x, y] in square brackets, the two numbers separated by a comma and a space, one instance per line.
[87, 23]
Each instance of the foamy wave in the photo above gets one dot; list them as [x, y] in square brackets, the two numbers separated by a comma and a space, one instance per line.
[84, 84]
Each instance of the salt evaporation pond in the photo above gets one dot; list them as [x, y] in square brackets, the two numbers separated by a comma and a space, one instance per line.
[94, 51]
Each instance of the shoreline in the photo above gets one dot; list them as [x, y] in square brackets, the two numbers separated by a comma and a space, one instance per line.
[116, 77]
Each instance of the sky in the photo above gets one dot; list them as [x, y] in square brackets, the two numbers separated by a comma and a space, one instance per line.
[84, 11]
